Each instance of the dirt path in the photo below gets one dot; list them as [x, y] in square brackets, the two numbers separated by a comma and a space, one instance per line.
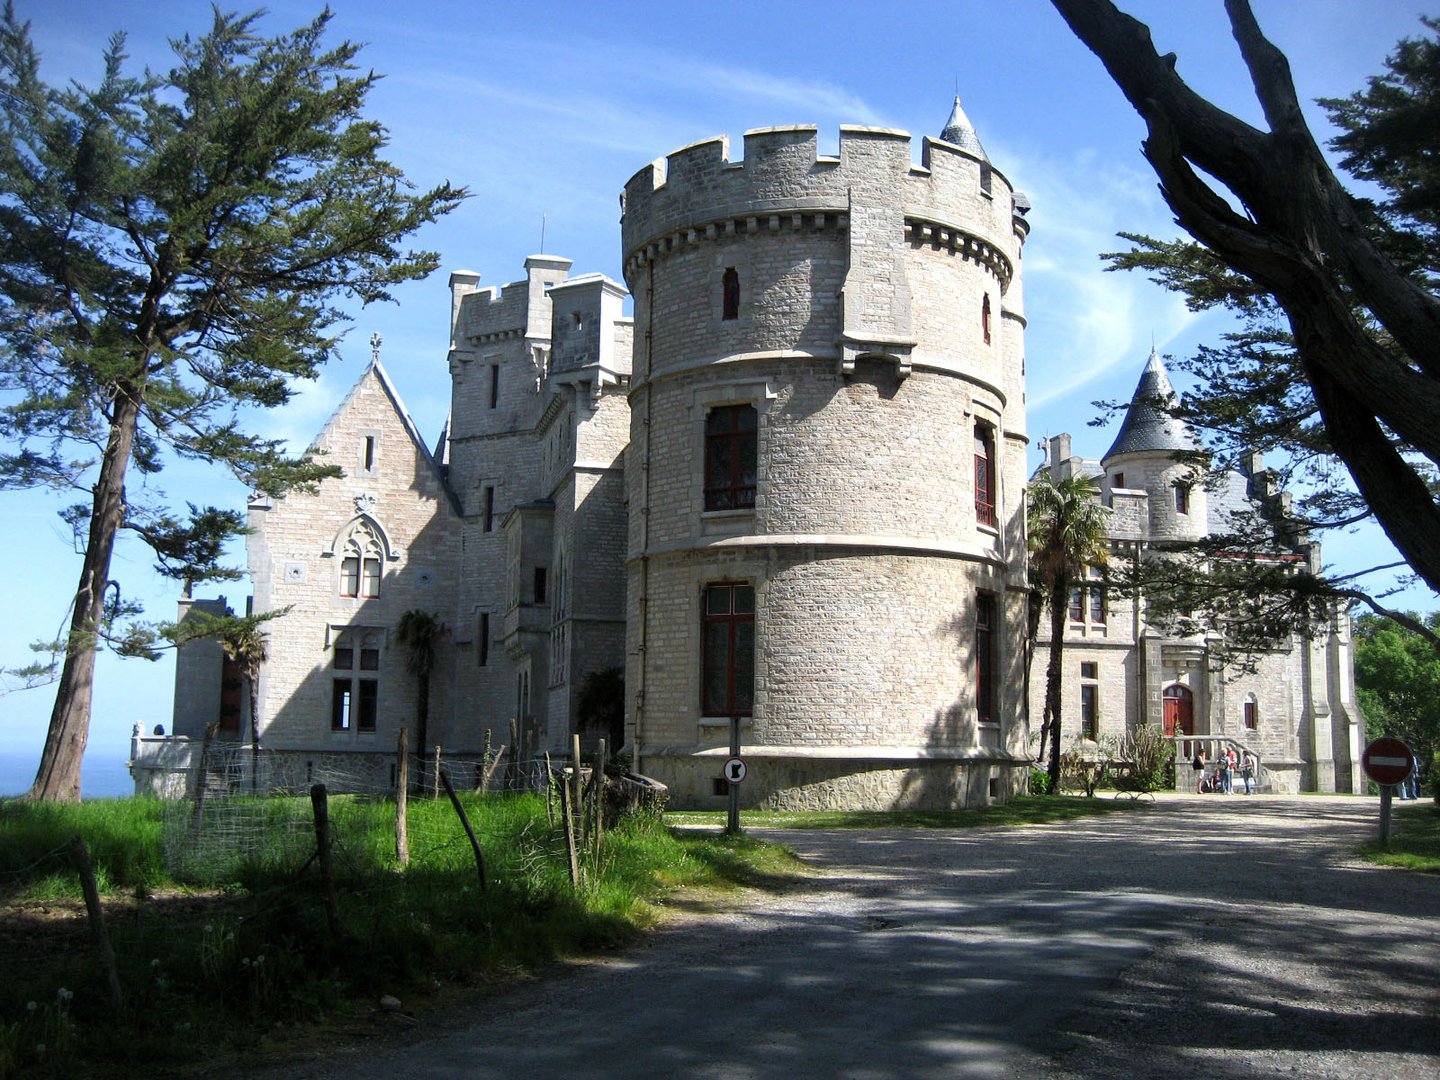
[1208, 936]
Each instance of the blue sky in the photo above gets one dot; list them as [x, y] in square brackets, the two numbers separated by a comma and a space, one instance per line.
[545, 109]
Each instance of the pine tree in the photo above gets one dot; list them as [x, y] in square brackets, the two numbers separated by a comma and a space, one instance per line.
[1337, 360]
[173, 249]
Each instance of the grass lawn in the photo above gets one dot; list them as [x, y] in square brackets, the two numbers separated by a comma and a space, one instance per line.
[1414, 838]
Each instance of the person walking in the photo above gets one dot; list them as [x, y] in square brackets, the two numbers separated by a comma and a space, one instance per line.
[1197, 763]
[1248, 768]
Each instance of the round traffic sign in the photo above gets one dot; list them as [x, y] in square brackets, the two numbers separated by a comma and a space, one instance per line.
[1387, 761]
[735, 770]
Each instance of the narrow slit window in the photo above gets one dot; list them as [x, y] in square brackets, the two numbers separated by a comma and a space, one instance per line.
[985, 318]
[985, 658]
[369, 453]
[482, 647]
[494, 385]
[540, 584]
[1182, 498]
[488, 510]
[730, 294]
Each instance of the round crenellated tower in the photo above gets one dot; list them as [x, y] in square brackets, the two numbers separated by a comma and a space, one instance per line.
[826, 470]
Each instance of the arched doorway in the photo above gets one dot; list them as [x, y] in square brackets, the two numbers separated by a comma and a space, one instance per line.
[1179, 713]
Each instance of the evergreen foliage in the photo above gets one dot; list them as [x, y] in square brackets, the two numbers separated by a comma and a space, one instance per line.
[1335, 362]
[174, 249]
[1065, 523]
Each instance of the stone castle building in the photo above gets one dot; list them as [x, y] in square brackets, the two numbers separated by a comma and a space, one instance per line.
[787, 494]
[1293, 706]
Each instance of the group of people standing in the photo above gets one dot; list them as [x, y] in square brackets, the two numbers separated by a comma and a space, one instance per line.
[1226, 766]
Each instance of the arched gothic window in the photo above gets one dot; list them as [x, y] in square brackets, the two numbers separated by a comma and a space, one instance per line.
[360, 562]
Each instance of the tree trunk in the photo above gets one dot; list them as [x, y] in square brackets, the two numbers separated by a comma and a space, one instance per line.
[422, 714]
[1059, 604]
[58, 777]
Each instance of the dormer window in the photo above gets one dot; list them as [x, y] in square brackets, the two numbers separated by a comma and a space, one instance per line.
[730, 294]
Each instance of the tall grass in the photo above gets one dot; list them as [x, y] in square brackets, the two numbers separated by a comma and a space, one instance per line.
[205, 969]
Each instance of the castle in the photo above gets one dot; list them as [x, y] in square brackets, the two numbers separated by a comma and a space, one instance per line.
[786, 497]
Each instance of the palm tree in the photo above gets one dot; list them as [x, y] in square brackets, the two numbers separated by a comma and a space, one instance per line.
[419, 631]
[244, 643]
[1066, 525]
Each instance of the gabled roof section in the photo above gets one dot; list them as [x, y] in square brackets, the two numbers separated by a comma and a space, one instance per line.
[961, 132]
[375, 370]
[1147, 428]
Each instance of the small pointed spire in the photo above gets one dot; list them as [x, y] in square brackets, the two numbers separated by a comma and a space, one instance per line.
[1147, 426]
[958, 130]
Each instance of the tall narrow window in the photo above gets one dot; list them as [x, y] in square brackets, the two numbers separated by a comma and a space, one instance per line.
[1077, 604]
[370, 578]
[985, 658]
[350, 575]
[730, 294]
[730, 455]
[367, 705]
[369, 453]
[340, 706]
[540, 583]
[984, 474]
[1182, 498]
[985, 318]
[1252, 714]
[487, 511]
[1089, 711]
[1096, 589]
[494, 385]
[355, 687]
[482, 646]
[728, 650]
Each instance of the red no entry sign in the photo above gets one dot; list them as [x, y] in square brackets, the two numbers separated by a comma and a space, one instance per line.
[1387, 761]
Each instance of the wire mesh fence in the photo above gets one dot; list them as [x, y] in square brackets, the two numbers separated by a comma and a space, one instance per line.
[252, 809]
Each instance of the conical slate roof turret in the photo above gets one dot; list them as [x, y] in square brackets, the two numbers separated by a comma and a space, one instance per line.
[958, 130]
[1146, 427]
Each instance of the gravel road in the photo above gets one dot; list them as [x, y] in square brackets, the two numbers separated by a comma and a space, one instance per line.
[1205, 936]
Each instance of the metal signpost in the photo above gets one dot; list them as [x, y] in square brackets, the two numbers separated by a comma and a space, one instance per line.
[1388, 762]
[734, 774]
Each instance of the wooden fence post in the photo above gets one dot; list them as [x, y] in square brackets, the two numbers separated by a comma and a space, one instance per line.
[570, 852]
[597, 795]
[465, 823]
[549, 791]
[319, 803]
[435, 786]
[402, 799]
[577, 799]
[97, 919]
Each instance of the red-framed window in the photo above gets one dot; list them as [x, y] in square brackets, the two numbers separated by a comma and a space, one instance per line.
[1182, 498]
[728, 648]
[731, 447]
[730, 294]
[984, 474]
[985, 627]
[359, 577]
[1252, 716]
